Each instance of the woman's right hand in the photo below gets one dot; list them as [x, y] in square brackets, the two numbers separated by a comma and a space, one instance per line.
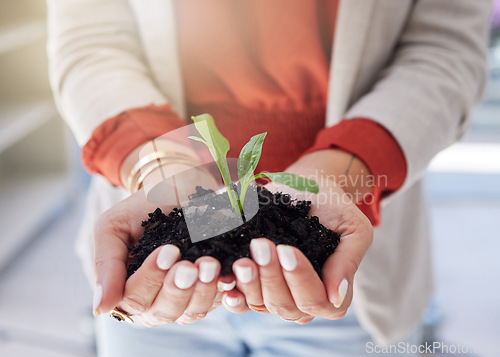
[163, 289]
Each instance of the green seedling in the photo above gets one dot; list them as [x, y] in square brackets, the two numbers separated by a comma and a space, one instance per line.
[247, 162]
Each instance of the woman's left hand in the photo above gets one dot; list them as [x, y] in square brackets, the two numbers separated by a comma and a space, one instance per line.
[280, 279]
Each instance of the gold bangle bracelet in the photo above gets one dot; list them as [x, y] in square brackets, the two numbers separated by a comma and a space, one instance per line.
[154, 157]
[157, 165]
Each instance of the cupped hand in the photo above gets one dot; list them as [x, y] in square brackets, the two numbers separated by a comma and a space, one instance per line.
[163, 289]
[281, 280]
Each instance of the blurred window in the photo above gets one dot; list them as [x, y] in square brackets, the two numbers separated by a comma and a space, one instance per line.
[487, 117]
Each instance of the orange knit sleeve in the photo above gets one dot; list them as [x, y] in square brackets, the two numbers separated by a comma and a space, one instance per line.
[116, 137]
[377, 148]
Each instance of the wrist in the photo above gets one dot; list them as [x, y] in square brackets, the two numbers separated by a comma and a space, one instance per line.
[347, 170]
[173, 183]
[157, 153]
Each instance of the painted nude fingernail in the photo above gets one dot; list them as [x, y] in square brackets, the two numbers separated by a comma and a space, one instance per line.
[226, 286]
[97, 299]
[243, 274]
[287, 257]
[232, 301]
[185, 276]
[167, 256]
[260, 251]
[342, 292]
[208, 270]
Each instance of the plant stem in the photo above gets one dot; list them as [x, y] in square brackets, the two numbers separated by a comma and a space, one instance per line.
[226, 177]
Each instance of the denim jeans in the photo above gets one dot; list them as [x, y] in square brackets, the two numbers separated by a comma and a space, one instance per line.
[223, 334]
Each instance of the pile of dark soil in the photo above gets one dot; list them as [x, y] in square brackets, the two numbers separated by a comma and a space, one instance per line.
[279, 218]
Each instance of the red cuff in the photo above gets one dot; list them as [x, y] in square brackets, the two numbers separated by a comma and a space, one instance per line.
[377, 148]
[117, 137]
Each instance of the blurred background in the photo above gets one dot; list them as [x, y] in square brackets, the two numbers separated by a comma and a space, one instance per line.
[45, 301]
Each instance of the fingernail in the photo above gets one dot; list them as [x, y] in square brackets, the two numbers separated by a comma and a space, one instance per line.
[208, 270]
[232, 301]
[287, 257]
[342, 292]
[260, 251]
[97, 299]
[167, 256]
[226, 286]
[185, 276]
[243, 274]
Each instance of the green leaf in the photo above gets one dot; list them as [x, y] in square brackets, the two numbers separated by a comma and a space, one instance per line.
[195, 138]
[250, 156]
[218, 146]
[216, 142]
[291, 180]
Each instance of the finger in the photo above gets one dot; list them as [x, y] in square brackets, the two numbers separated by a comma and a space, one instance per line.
[339, 269]
[306, 287]
[275, 292]
[114, 231]
[234, 301]
[247, 281]
[111, 256]
[143, 286]
[205, 291]
[217, 300]
[173, 298]
[226, 283]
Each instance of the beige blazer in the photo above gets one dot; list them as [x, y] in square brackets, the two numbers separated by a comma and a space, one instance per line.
[415, 67]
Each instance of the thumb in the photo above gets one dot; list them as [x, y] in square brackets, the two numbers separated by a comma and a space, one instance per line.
[111, 255]
[339, 269]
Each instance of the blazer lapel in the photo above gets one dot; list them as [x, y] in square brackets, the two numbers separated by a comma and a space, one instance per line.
[352, 26]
